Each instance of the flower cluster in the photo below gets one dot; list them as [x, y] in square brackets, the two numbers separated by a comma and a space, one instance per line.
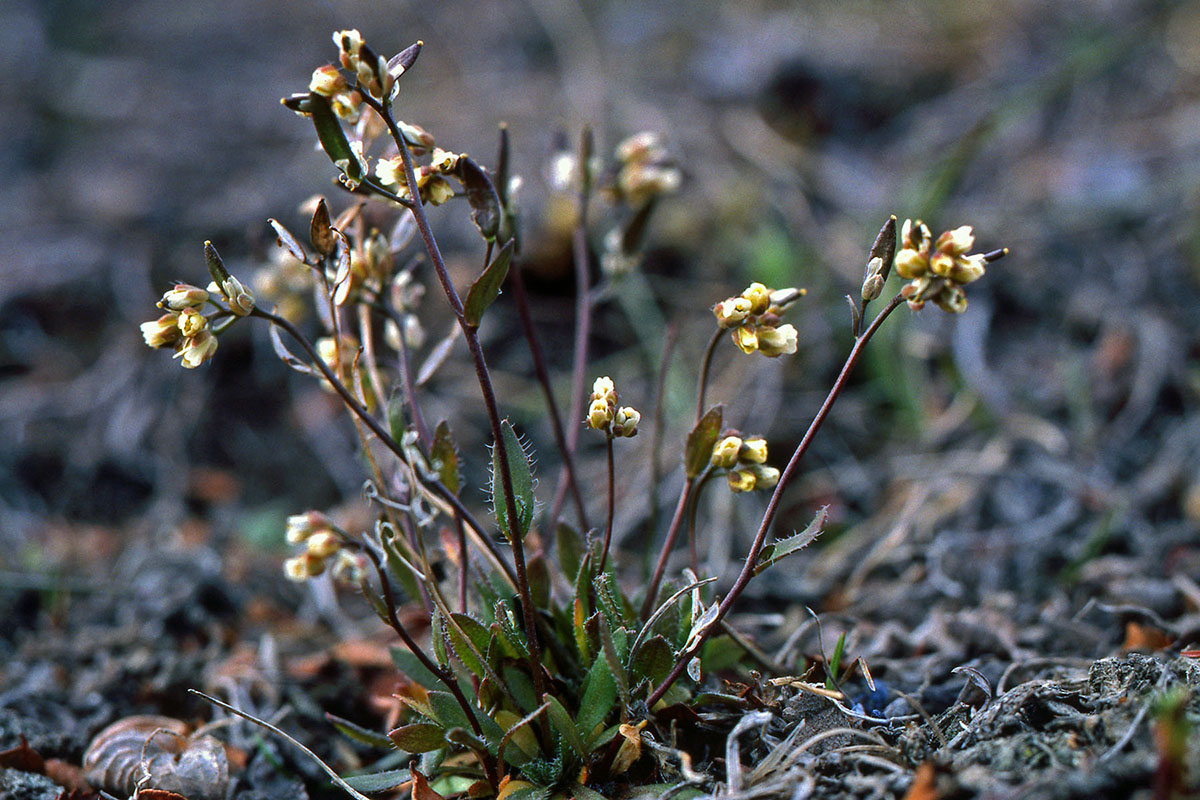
[183, 326]
[938, 269]
[370, 70]
[746, 461]
[753, 320]
[605, 415]
[323, 547]
[645, 171]
[435, 189]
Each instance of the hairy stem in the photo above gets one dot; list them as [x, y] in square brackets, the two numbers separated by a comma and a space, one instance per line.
[483, 377]
[760, 538]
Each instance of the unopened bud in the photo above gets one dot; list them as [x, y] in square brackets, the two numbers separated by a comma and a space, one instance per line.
[741, 480]
[182, 296]
[759, 297]
[625, 421]
[732, 312]
[599, 415]
[753, 450]
[162, 331]
[779, 341]
[725, 452]
[323, 544]
[327, 81]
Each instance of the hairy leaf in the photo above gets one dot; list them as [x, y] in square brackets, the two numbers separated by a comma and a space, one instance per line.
[599, 698]
[374, 782]
[653, 660]
[564, 726]
[444, 455]
[797, 541]
[521, 472]
[419, 737]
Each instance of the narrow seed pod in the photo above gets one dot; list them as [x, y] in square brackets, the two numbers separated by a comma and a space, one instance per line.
[144, 752]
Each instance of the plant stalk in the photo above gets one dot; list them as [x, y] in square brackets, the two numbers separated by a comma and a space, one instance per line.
[760, 538]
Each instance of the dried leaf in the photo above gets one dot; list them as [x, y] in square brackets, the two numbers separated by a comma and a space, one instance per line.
[438, 355]
[924, 785]
[884, 248]
[320, 230]
[482, 197]
[284, 238]
[22, 757]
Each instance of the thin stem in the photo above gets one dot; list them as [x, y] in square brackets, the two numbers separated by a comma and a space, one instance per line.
[665, 553]
[789, 473]
[691, 518]
[656, 434]
[543, 377]
[470, 334]
[406, 378]
[705, 365]
[393, 620]
[608, 525]
[583, 315]
[436, 487]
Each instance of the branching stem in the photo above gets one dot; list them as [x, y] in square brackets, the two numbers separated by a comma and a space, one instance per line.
[760, 538]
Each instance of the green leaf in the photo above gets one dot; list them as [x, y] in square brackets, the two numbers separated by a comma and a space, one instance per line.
[333, 138]
[698, 450]
[419, 737]
[437, 636]
[521, 473]
[357, 733]
[446, 711]
[599, 698]
[471, 648]
[561, 721]
[482, 197]
[538, 575]
[444, 456]
[411, 666]
[486, 288]
[609, 602]
[612, 657]
[378, 781]
[520, 686]
[720, 652]
[797, 541]
[396, 418]
[569, 548]
[653, 660]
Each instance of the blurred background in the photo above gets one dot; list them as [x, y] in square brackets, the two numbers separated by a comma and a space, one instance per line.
[1048, 436]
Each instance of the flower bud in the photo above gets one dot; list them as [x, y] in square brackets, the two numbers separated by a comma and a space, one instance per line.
[303, 567]
[782, 298]
[764, 477]
[625, 421]
[196, 350]
[746, 339]
[740, 480]
[349, 44]
[162, 331]
[239, 298]
[323, 544]
[725, 452]
[753, 450]
[301, 526]
[967, 269]
[911, 264]
[604, 388]
[732, 312]
[759, 297]
[182, 296]
[348, 566]
[599, 415]
[955, 242]
[951, 299]
[779, 341]
[327, 81]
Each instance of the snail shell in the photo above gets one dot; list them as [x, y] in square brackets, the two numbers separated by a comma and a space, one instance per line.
[152, 752]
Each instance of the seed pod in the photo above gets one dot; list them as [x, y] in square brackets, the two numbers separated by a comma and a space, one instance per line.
[157, 752]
